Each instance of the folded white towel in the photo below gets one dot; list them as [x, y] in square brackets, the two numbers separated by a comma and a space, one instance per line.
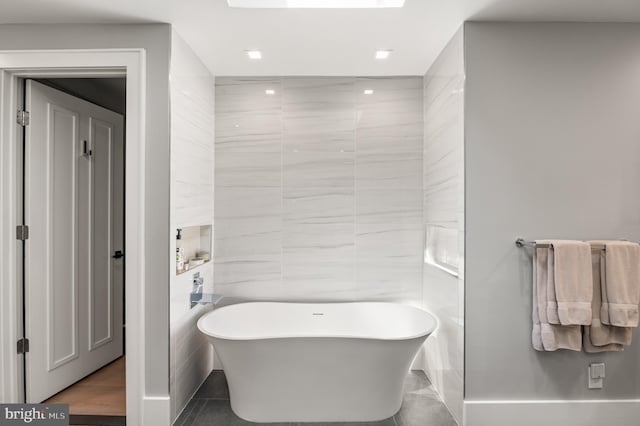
[589, 347]
[601, 337]
[536, 334]
[621, 284]
[569, 287]
[545, 336]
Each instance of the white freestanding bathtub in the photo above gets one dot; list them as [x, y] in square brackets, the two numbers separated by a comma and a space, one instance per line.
[316, 362]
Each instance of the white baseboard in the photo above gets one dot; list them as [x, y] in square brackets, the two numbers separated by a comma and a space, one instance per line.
[156, 411]
[620, 412]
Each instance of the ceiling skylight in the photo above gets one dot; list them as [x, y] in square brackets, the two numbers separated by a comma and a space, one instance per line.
[316, 4]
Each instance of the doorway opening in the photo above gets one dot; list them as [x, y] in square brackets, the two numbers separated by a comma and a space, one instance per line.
[92, 63]
[73, 168]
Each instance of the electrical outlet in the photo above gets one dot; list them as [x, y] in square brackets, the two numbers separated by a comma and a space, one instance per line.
[596, 375]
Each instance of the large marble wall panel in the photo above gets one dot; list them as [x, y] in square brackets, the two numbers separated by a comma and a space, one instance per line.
[249, 169]
[318, 132]
[192, 143]
[191, 359]
[318, 106]
[254, 132]
[389, 133]
[345, 170]
[192, 203]
[318, 186]
[389, 139]
[248, 238]
[443, 293]
[318, 246]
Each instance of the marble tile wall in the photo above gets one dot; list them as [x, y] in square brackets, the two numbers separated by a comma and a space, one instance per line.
[319, 188]
[318, 249]
[443, 293]
[389, 141]
[192, 199]
[248, 237]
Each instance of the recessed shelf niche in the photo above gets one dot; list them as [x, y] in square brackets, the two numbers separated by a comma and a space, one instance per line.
[195, 242]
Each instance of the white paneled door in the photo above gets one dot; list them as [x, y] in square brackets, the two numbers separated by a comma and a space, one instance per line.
[74, 207]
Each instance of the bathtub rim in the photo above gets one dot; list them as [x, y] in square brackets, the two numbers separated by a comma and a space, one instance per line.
[426, 333]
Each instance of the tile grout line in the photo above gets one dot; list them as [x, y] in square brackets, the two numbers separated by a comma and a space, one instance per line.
[282, 191]
[356, 281]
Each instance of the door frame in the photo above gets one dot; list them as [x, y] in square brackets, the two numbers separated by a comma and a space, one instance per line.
[18, 64]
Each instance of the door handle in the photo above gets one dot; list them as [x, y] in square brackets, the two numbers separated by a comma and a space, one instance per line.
[86, 150]
[118, 254]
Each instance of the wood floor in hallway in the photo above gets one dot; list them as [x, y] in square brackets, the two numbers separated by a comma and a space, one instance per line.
[102, 393]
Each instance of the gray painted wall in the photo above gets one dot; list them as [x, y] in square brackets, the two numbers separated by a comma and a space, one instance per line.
[552, 151]
[156, 40]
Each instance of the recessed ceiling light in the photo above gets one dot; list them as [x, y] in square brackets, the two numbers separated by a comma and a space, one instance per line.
[382, 54]
[254, 54]
[368, 91]
[316, 4]
[270, 92]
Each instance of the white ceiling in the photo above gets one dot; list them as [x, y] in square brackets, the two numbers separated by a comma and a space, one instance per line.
[316, 41]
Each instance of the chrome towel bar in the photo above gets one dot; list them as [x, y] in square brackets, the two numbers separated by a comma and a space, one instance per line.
[521, 242]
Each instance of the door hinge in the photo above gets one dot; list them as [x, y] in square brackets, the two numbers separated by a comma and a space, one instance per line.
[23, 118]
[23, 345]
[22, 232]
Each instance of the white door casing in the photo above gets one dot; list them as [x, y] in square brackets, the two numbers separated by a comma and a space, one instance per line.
[74, 187]
[142, 409]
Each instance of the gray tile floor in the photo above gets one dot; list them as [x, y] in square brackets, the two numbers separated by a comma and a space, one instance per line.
[421, 406]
